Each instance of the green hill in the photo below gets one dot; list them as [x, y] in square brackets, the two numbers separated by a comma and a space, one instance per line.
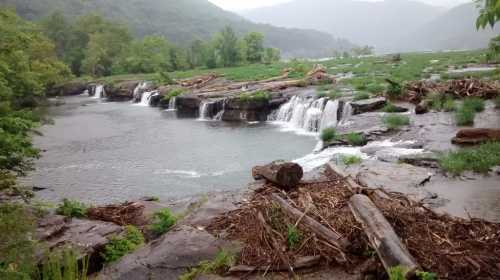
[184, 21]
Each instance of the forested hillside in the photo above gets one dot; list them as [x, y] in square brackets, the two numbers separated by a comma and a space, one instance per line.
[183, 22]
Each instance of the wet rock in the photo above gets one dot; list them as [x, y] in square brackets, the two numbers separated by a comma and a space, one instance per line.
[422, 107]
[188, 105]
[68, 89]
[476, 136]
[121, 91]
[394, 154]
[426, 159]
[236, 109]
[169, 257]
[373, 148]
[368, 105]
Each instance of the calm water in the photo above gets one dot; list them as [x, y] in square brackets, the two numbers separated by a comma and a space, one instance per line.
[105, 152]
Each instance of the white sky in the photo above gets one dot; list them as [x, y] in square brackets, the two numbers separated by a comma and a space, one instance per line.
[235, 5]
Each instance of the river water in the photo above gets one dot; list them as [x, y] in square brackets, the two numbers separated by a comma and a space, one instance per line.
[100, 152]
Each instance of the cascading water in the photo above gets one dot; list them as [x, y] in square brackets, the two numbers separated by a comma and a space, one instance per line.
[330, 114]
[346, 112]
[146, 98]
[139, 89]
[171, 103]
[99, 91]
[204, 111]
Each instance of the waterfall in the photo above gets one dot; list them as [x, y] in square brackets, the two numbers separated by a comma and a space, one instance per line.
[99, 91]
[218, 117]
[204, 111]
[330, 114]
[138, 90]
[171, 103]
[146, 98]
[346, 112]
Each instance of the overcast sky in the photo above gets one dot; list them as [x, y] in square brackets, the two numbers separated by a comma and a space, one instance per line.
[235, 5]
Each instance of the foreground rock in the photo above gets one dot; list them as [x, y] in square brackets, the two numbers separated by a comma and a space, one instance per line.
[368, 105]
[476, 136]
[121, 91]
[286, 175]
[68, 89]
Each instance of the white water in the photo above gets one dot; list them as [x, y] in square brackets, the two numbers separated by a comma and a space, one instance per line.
[139, 88]
[346, 112]
[99, 92]
[330, 115]
[172, 103]
[204, 113]
[146, 98]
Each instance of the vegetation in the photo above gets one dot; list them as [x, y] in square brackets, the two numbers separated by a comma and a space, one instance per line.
[479, 159]
[223, 261]
[71, 208]
[164, 221]
[474, 103]
[64, 265]
[256, 96]
[390, 108]
[394, 89]
[355, 139]
[328, 134]
[361, 96]
[394, 121]
[293, 237]
[120, 246]
[351, 160]
[465, 115]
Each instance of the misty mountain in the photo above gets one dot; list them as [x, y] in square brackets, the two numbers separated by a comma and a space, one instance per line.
[390, 25]
[183, 21]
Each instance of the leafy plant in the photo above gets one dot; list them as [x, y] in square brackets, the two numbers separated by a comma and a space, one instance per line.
[328, 134]
[71, 208]
[423, 275]
[394, 121]
[397, 273]
[223, 261]
[120, 246]
[293, 236]
[351, 160]
[449, 105]
[394, 90]
[361, 96]
[390, 108]
[465, 116]
[355, 139]
[479, 159]
[474, 103]
[164, 220]
[64, 266]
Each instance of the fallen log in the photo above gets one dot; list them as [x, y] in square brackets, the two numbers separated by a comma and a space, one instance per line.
[286, 175]
[390, 250]
[328, 235]
[300, 263]
[476, 136]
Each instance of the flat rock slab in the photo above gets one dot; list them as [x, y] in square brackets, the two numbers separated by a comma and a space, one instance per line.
[368, 105]
[168, 257]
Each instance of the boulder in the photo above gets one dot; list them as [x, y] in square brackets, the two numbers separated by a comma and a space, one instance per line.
[368, 105]
[188, 105]
[68, 89]
[121, 91]
[236, 109]
[474, 136]
[422, 107]
[286, 175]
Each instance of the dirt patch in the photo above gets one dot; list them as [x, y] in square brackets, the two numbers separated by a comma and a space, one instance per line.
[452, 248]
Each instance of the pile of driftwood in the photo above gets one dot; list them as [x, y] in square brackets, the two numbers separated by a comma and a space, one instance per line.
[128, 213]
[197, 82]
[417, 91]
[365, 231]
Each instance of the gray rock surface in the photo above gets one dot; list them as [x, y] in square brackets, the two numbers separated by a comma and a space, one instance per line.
[368, 105]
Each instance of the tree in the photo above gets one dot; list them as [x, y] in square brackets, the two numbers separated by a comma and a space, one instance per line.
[489, 13]
[149, 55]
[271, 55]
[254, 43]
[359, 51]
[226, 45]
[196, 53]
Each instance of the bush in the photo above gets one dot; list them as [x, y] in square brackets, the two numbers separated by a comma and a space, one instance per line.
[474, 103]
[164, 220]
[351, 160]
[256, 96]
[173, 93]
[465, 116]
[393, 121]
[64, 265]
[293, 237]
[355, 139]
[449, 105]
[390, 108]
[479, 159]
[394, 90]
[361, 96]
[328, 134]
[71, 208]
[120, 246]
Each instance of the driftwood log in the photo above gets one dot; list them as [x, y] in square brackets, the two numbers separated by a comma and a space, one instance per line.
[299, 263]
[474, 136]
[390, 250]
[286, 175]
[320, 230]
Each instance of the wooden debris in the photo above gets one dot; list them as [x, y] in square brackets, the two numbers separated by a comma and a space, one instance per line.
[300, 263]
[128, 213]
[391, 251]
[476, 136]
[286, 175]
[198, 82]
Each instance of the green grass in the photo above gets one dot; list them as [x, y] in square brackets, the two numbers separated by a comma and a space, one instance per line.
[351, 160]
[423, 275]
[375, 88]
[293, 237]
[397, 273]
[222, 262]
[474, 103]
[449, 105]
[119, 246]
[328, 134]
[164, 220]
[465, 116]
[64, 265]
[479, 159]
[355, 139]
[394, 121]
[361, 96]
[71, 208]
[256, 96]
[173, 93]
[390, 108]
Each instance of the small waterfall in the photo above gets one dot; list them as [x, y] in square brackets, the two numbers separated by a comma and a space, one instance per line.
[99, 91]
[330, 115]
[204, 111]
[146, 98]
[218, 117]
[139, 89]
[171, 103]
[346, 112]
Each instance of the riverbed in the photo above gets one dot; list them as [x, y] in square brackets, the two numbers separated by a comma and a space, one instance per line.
[100, 152]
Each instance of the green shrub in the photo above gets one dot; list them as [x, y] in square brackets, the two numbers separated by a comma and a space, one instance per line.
[71, 208]
[293, 237]
[64, 265]
[479, 159]
[394, 90]
[397, 273]
[355, 139]
[351, 160]
[423, 275]
[256, 96]
[328, 134]
[394, 121]
[222, 262]
[361, 96]
[474, 103]
[449, 105]
[465, 116]
[17, 247]
[164, 220]
[120, 246]
[390, 108]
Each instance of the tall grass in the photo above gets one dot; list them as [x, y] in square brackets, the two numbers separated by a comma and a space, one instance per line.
[479, 159]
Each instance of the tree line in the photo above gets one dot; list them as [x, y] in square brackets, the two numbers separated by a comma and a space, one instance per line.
[93, 45]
